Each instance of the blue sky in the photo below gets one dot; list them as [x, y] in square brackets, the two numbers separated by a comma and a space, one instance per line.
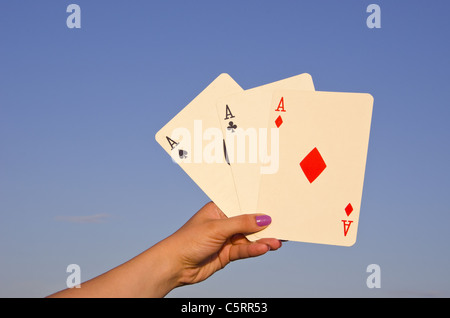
[83, 181]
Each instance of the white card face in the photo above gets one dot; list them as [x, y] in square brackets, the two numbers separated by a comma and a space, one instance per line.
[315, 196]
[194, 140]
[243, 119]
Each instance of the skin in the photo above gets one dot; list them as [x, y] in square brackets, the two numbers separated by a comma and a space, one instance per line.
[205, 244]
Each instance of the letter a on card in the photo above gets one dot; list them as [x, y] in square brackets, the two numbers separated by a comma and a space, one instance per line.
[280, 107]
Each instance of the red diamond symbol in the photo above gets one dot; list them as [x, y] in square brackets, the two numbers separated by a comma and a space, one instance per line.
[313, 165]
[278, 121]
[348, 209]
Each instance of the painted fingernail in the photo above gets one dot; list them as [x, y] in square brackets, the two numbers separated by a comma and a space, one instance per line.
[263, 220]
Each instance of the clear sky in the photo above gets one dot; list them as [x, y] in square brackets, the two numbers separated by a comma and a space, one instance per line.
[83, 181]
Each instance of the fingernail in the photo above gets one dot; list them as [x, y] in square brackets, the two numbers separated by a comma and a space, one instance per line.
[263, 220]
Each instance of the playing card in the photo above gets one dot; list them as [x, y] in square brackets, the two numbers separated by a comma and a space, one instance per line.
[315, 195]
[195, 142]
[243, 118]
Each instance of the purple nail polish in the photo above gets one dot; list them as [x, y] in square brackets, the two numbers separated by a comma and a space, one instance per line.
[263, 220]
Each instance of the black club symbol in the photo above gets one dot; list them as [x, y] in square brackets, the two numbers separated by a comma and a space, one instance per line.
[231, 126]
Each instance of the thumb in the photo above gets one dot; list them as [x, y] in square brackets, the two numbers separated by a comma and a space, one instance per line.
[245, 224]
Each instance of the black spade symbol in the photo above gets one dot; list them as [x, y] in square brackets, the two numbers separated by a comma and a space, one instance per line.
[182, 153]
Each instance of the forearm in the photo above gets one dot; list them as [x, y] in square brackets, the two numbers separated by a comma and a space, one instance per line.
[150, 274]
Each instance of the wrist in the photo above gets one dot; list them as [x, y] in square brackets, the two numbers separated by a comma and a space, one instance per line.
[163, 271]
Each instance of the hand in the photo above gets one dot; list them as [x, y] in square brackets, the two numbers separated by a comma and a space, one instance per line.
[210, 240]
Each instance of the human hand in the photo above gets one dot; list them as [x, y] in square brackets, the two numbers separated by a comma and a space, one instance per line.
[210, 240]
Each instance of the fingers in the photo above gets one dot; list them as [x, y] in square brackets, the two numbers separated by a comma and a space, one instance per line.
[272, 243]
[245, 223]
[242, 248]
[247, 250]
[253, 249]
[235, 227]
